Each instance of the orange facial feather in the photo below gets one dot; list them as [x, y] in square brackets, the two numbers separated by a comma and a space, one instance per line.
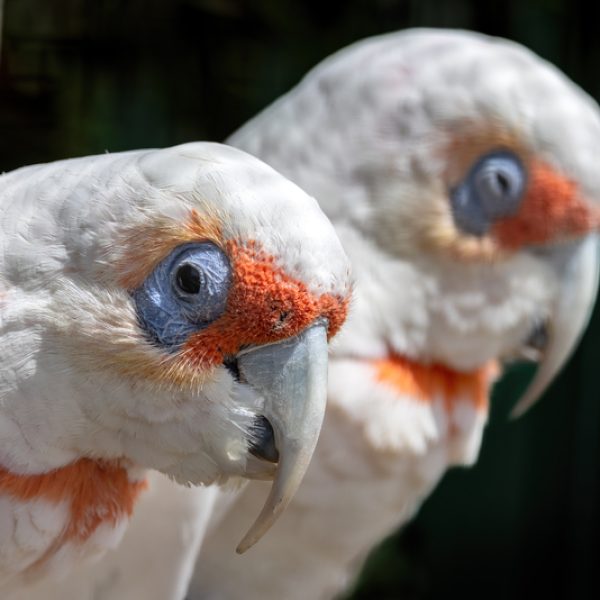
[427, 382]
[551, 210]
[97, 492]
[264, 305]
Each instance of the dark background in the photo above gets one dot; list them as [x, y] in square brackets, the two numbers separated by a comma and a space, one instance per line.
[81, 77]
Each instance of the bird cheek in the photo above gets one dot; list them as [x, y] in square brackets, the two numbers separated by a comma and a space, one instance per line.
[265, 305]
[250, 319]
[261, 316]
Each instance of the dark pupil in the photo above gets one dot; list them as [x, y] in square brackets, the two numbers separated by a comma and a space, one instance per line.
[503, 183]
[188, 279]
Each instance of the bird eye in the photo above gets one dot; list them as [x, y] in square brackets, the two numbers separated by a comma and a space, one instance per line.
[188, 279]
[492, 189]
[185, 293]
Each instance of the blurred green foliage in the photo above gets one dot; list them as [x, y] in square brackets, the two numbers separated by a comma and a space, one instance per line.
[81, 77]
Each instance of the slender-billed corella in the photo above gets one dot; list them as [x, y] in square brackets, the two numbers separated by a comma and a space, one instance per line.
[160, 309]
[461, 174]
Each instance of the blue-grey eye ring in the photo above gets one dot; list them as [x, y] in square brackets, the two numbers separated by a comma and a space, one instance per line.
[493, 188]
[186, 292]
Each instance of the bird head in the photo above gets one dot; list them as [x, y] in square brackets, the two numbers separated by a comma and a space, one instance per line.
[460, 172]
[170, 308]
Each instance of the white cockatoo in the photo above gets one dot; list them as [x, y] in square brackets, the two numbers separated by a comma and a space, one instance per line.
[159, 309]
[461, 174]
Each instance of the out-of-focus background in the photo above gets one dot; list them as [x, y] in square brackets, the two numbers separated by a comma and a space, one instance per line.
[87, 76]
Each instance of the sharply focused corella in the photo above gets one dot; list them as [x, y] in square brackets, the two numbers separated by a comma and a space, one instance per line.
[159, 309]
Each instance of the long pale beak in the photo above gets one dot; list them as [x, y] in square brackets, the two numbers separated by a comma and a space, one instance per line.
[569, 318]
[292, 377]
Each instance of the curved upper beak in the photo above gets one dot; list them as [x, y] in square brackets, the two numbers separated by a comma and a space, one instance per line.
[571, 313]
[291, 376]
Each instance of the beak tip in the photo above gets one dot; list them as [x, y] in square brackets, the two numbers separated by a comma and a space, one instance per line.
[292, 376]
[516, 413]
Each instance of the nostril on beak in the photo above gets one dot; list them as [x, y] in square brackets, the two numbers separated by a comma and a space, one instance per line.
[538, 337]
[231, 364]
[262, 443]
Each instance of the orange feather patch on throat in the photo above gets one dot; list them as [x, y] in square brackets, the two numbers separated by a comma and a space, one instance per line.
[97, 492]
[426, 383]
